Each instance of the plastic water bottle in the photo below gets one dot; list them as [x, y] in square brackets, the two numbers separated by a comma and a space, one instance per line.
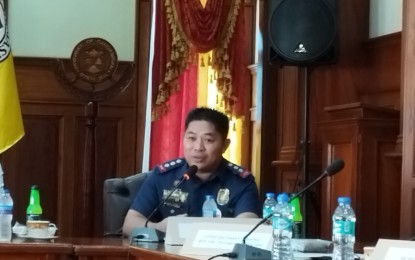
[268, 206]
[6, 215]
[297, 218]
[209, 208]
[282, 229]
[344, 221]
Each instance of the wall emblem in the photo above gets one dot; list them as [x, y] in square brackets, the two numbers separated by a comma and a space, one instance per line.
[94, 60]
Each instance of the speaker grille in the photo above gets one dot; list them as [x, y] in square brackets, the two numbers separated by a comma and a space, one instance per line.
[302, 30]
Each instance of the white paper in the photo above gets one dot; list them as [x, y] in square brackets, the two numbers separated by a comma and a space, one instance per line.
[220, 239]
[209, 239]
[400, 253]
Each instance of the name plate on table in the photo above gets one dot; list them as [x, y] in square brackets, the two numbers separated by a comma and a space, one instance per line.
[388, 249]
[209, 239]
[179, 228]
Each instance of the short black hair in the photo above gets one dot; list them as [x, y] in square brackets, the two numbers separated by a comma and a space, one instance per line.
[215, 117]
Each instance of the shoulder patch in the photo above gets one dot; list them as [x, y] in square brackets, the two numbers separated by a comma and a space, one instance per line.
[237, 170]
[171, 164]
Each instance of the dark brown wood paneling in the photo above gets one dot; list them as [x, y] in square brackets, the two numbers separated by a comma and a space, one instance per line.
[143, 11]
[249, 11]
[407, 219]
[381, 84]
[362, 140]
[37, 163]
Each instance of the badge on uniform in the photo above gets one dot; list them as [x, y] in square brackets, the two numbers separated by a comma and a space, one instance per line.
[223, 197]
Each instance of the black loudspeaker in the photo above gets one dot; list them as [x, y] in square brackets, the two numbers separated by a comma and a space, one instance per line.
[302, 32]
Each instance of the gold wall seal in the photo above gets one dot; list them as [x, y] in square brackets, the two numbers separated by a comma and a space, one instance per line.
[94, 60]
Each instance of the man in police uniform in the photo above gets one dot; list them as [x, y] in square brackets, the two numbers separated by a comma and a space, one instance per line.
[204, 142]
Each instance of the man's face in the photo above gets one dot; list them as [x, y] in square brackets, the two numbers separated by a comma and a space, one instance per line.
[203, 146]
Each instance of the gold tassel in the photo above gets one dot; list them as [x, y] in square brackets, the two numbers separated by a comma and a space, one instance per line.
[202, 62]
[210, 61]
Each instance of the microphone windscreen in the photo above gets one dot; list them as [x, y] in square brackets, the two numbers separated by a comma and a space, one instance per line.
[192, 170]
[336, 166]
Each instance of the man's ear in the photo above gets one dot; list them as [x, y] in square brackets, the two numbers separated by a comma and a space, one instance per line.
[226, 144]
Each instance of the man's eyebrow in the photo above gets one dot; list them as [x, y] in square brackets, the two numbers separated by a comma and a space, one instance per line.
[205, 134]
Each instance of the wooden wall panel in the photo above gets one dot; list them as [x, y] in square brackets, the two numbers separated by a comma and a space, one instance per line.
[37, 164]
[389, 179]
[144, 11]
[381, 86]
[407, 218]
[53, 148]
[363, 140]
[340, 184]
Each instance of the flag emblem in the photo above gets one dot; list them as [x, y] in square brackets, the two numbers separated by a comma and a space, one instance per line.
[11, 124]
[4, 39]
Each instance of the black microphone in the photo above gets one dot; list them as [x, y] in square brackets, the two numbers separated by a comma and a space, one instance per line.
[246, 252]
[145, 234]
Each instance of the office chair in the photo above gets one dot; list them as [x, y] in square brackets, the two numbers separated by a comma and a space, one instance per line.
[118, 194]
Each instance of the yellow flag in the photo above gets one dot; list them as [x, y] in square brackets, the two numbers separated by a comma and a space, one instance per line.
[11, 124]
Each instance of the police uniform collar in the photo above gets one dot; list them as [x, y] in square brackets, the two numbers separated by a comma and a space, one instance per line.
[234, 169]
[171, 164]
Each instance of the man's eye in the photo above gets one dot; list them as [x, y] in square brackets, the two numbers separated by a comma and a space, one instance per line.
[191, 138]
[209, 141]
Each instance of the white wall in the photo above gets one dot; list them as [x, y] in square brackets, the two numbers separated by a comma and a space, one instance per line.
[52, 28]
[385, 17]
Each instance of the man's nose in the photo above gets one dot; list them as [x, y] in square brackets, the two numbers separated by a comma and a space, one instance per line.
[200, 145]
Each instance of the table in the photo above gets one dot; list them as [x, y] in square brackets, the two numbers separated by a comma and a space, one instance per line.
[95, 249]
[86, 249]
[98, 248]
[155, 251]
[65, 249]
[20, 249]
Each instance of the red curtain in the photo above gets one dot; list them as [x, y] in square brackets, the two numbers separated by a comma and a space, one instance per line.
[183, 29]
[167, 132]
[203, 27]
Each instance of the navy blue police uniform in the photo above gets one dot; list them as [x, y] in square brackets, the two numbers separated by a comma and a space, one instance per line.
[233, 187]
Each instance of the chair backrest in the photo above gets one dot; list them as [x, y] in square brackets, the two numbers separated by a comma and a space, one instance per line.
[119, 193]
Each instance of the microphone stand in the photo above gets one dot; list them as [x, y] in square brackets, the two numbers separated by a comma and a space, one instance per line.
[184, 178]
[293, 197]
[152, 235]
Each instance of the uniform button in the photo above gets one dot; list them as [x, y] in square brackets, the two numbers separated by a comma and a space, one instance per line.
[172, 211]
[178, 160]
[166, 165]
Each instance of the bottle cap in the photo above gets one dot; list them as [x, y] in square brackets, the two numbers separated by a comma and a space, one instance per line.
[209, 196]
[269, 195]
[343, 200]
[34, 187]
[282, 197]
